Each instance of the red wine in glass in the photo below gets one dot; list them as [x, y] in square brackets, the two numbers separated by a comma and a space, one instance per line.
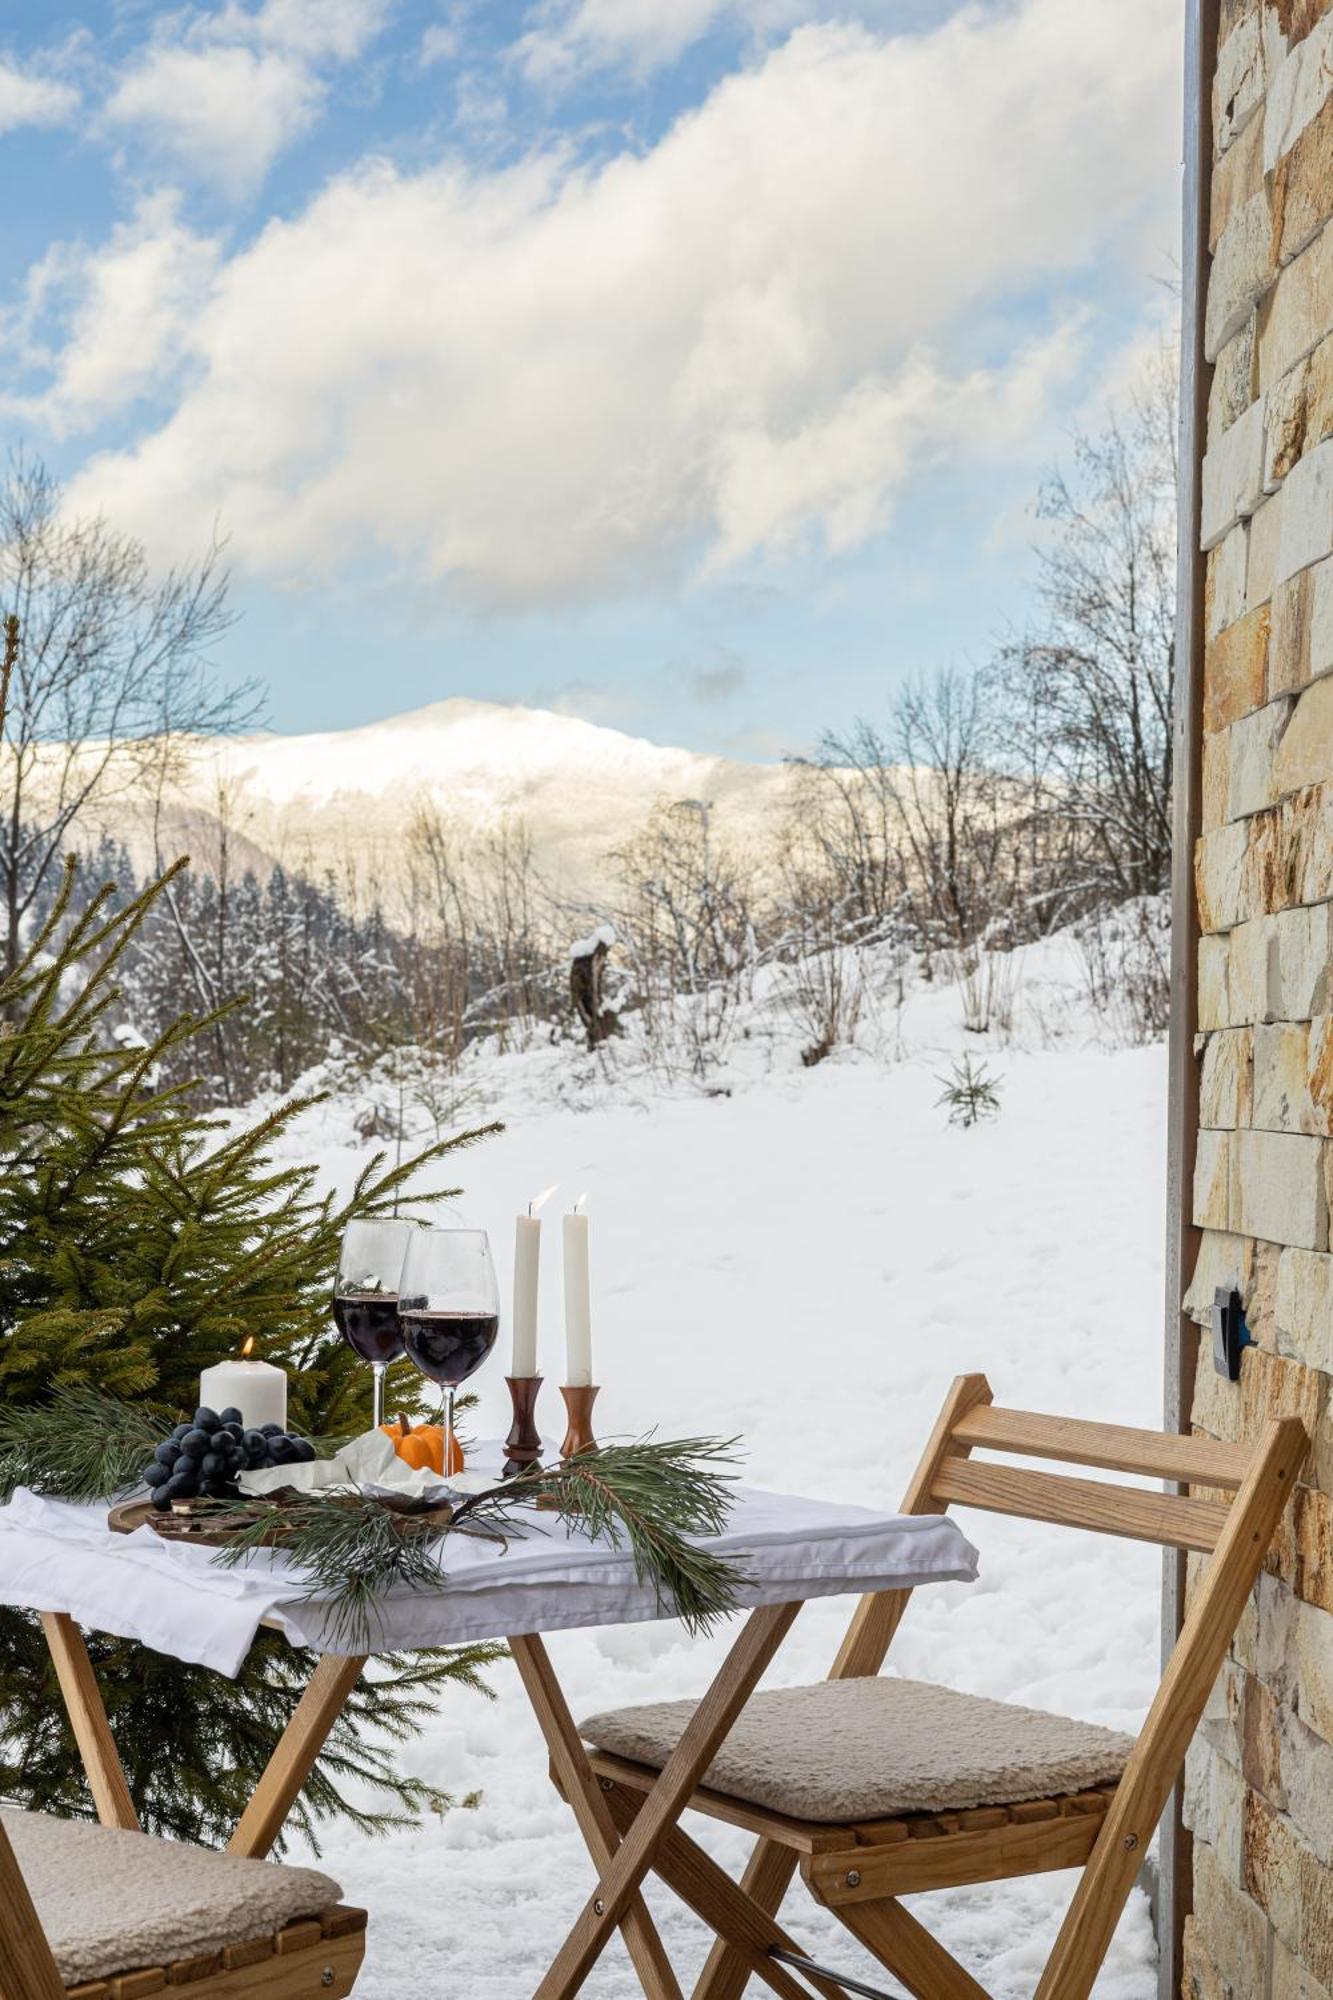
[368, 1322]
[365, 1293]
[449, 1346]
[449, 1307]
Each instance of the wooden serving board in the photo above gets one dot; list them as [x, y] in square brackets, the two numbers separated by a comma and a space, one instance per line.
[176, 1524]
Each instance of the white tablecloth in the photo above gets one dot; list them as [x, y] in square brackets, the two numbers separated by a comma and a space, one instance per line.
[55, 1556]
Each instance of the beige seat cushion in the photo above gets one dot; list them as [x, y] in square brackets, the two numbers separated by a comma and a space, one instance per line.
[110, 1901]
[867, 1749]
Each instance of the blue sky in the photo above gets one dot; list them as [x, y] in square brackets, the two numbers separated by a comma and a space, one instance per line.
[689, 365]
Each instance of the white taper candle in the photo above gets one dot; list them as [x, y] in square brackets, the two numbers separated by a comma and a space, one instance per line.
[578, 1303]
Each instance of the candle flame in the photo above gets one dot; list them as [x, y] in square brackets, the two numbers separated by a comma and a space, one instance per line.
[578, 1205]
[539, 1201]
[247, 1348]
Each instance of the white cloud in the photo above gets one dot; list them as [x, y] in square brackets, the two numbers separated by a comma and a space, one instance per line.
[223, 93]
[555, 381]
[28, 99]
[122, 315]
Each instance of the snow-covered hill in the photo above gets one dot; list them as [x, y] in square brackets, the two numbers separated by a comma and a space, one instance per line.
[340, 800]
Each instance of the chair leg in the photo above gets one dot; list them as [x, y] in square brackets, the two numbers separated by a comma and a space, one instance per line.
[767, 1878]
[747, 1930]
[907, 1949]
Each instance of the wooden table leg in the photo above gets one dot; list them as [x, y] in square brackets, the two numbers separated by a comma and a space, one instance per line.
[590, 1808]
[293, 1760]
[761, 1635]
[87, 1718]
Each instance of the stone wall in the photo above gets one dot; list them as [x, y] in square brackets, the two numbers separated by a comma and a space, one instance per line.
[1259, 1792]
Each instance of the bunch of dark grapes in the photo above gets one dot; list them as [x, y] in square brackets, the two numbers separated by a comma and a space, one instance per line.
[201, 1459]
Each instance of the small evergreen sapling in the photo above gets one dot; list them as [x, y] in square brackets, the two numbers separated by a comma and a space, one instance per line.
[970, 1092]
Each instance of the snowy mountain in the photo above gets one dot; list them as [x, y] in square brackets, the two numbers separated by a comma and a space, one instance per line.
[341, 800]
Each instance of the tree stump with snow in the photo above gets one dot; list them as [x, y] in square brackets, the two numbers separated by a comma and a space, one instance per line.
[587, 975]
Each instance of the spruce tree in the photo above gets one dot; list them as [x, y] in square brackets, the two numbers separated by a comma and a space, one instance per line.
[141, 1241]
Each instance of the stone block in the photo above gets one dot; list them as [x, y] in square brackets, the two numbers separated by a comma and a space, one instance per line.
[1265, 544]
[1242, 270]
[1214, 1807]
[1252, 973]
[1234, 385]
[1199, 1977]
[1303, 754]
[1221, 866]
[1213, 1004]
[1320, 1074]
[1215, 803]
[1271, 1866]
[1321, 620]
[1277, 1189]
[1225, 1080]
[1254, 763]
[1307, 511]
[1303, 1308]
[1289, 640]
[1233, 1926]
[1237, 178]
[1302, 187]
[1281, 1079]
[1233, 478]
[1296, 311]
[1212, 1180]
[1308, 1532]
[1235, 669]
[1224, 581]
[1301, 969]
[1298, 91]
[1290, 858]
[1222, 1259]
[1238, 81]
[1306, 1664]
[1290, 1979]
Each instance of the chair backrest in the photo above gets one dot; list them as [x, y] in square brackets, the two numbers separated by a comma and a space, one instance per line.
[1234, 1499]
[27, 1969]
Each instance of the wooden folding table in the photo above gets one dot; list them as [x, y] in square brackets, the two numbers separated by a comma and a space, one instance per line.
[62, 1562]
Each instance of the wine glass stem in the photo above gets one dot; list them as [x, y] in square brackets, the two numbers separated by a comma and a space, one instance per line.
[377, 1370]
[449, 1429]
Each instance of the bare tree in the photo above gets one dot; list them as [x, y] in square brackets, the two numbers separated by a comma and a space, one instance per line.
[1094, 677]
[111, 674]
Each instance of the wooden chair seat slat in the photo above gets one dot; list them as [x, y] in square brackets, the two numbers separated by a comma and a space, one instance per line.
[1172, 1520]
[1193, 1461]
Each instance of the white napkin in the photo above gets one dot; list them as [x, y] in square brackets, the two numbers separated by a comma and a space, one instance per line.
[369, 1464]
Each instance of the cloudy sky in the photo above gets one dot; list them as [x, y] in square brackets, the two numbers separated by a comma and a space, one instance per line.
[688, 365]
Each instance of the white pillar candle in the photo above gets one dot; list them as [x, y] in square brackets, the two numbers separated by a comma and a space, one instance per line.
[256, 1388]
[578, 1303]
[527, 1256]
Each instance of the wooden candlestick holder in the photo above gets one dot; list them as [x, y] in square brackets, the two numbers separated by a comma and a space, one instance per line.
[523, 1446]
[578, 1405]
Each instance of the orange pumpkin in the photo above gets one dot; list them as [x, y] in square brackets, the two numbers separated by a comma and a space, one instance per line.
[424, 1446]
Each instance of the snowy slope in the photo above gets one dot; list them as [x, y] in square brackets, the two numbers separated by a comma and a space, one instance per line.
[343, 797]
[808, 1262]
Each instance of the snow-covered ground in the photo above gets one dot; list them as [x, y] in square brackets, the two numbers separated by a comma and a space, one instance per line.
[808, 1261]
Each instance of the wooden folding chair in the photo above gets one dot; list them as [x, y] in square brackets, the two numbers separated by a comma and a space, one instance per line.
[1227, 1504]
[224, 1928]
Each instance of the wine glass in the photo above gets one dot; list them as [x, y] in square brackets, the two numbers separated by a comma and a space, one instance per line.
[365, 1293]
[449, 1309]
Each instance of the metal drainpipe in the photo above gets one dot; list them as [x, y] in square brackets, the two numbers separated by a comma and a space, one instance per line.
[1201, 31]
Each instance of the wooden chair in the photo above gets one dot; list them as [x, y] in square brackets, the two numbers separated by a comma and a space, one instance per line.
[858, 1866]
[225, 1928]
